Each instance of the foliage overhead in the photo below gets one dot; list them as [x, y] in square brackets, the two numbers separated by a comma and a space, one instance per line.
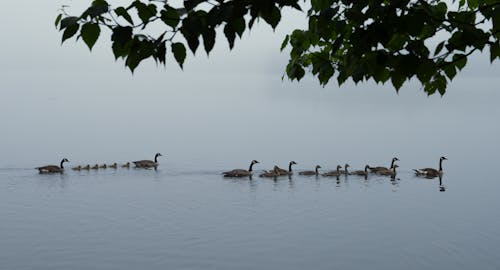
[383, 40]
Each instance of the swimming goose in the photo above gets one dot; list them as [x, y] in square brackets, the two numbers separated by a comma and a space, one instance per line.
[147, 163]
[126, 165]
[271, 174]
[95, 167]
[315, 172]
[345, 170]
[337, 172]
[77, 168]
[380, 168]
[283, 171]
[362, 173]
[391, 173]
[52, 168]
[103, 166]
[430, 172]
[241, 172]
[87, 167]
[113, 166]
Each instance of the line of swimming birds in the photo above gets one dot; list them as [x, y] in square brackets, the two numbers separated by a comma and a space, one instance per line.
[275, 172]
[380, 170]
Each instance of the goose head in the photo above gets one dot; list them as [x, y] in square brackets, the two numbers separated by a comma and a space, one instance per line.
[158, 155]
[443, 158]
[318, 167]
[395, 159]
[367, 167]
[293, 162]
[254, 162]
[64, 160]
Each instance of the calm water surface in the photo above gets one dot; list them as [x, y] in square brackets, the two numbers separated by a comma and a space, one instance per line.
[175, 219]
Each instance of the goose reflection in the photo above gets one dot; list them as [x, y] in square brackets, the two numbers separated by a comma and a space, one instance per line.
[442, 188]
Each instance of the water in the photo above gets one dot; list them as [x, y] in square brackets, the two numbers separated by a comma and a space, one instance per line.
[130, 219]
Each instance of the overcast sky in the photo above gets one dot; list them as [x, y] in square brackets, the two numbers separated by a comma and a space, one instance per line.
[223, 110]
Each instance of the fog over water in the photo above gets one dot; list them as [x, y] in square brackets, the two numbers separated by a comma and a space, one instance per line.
[218, 114]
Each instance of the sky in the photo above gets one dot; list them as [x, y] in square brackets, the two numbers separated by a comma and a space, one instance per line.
[220, 111]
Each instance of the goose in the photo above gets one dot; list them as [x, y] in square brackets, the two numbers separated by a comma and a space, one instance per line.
[271, 174]
[362, 173]
[77, 168]
[147, 163]
[241, 172]
[113, 166]
[103, 166]
[126, 165]
[315, 172]
[334, 173]
[391, 173]
[285, 172]
[345, 170]
[87, 167]
[380, 168]
[52, 168]
[95, 167]
[430, 172]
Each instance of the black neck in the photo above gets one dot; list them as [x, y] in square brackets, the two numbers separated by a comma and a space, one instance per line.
[317, 170]
[290, 167]
[441, 164]
[392, 163]
[62, 161]
[251, 166]
[156, 158]
[346, 172]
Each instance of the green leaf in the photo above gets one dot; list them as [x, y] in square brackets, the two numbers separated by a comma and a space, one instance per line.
[209, 39]
[494, 51]
[230, 35]
[460, 60]
[72, 20]
[273, 18]
[439, 48]
[170, 16]
[121, 11]
[179, 53]
[284, 43]
[58, 19]
[70, 31]
[90, 33]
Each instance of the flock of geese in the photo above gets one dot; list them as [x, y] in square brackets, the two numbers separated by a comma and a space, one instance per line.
[275, 172]
[138, 164]
[379, 170]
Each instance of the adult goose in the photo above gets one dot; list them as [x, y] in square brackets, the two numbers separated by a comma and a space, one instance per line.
[241, 172]
[147, 163]
[380, 168]
[52, 168]
[283, 171]
[315, 172]
[391, 173]
[431, 172]
[337, 172]
[362, 173]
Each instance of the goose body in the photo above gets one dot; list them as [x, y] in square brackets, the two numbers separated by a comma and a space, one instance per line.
[241, 172]
[385, 169]
[283, 171]
[337, 172]
[271, 174]
[87, 167]
[431, 172]
[362, 173]
[391, 173]
[147, 163]
[315, 172]
[52, 168]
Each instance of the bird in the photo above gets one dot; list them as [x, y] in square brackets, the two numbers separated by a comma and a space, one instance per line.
[113, 166]
[147, 163]
[87, 167]
[103, 166]
[53, 168]
[362, 173]
[126, 165]
[430, 172]
[271, 174]
[95, 167]
[77, 168]
[334, 173]
[380, 168]
[315, 172]
[241, 172]
[283, 171]
[391, 173]
[345, 170]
